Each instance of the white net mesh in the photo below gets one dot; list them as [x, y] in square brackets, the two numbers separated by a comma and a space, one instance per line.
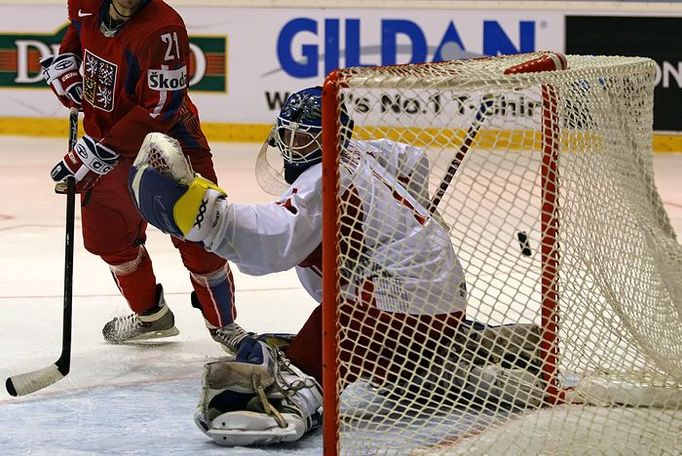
[552, 217]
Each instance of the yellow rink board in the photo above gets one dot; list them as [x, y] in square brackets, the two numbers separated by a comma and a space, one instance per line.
[230, 132]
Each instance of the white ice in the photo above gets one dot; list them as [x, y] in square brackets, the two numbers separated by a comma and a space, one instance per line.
[116, 399]
[124, 399]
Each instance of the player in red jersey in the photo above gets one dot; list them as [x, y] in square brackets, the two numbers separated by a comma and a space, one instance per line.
[125, 64]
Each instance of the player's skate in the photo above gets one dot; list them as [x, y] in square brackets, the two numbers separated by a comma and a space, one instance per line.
[229, 337]
[137, 328]
[235, 413]
[252, 355]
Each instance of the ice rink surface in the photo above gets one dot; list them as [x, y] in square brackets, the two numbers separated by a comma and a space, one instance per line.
[131, 400]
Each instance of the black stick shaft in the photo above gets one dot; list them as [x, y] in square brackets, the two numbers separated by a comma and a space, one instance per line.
[461, 153]
[64, 362]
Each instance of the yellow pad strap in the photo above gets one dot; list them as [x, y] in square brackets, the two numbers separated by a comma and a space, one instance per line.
[188, 205]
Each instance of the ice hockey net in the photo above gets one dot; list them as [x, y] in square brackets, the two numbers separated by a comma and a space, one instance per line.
[540, 169]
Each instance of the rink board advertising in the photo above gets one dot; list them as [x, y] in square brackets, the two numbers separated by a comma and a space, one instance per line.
[21, 53]
[246, 61]
[659, 38]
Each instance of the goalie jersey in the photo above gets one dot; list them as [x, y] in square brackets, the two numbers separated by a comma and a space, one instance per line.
[135, 81]
[407, 263]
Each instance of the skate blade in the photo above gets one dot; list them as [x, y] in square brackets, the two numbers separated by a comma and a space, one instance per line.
[152, 336]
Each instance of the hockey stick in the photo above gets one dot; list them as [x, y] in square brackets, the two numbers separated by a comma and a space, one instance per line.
[22, 384]
[480, 117]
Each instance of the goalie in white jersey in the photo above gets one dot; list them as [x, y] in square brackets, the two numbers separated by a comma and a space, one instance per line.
[407, 256]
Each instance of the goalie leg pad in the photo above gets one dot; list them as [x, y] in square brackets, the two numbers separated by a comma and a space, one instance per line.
[512, 345]
[244, 428]
[486, 364]
[233, 413]
[255, 366]
[458, 381]
[516, 387]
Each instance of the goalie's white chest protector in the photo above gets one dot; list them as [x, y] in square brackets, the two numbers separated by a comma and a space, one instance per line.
[407, 263]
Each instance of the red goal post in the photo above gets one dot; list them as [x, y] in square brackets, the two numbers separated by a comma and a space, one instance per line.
[548, 112]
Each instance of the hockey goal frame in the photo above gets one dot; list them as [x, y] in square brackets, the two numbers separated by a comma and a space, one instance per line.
[549, 249]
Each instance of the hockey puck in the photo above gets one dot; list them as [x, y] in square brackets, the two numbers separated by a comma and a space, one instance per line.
[523, 243]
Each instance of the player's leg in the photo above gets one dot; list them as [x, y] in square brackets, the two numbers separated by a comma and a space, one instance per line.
[305, 350]
[151, 318]
[210, 274]
[379, 346]
[213, 284]
[114, 230]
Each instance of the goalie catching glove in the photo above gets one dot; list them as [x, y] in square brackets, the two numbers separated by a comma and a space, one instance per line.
[238, 410]
[169, 194]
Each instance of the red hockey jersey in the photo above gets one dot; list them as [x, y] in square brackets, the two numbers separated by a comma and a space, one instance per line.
[136, 81]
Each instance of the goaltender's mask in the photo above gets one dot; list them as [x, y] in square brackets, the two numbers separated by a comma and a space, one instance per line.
[298, 133]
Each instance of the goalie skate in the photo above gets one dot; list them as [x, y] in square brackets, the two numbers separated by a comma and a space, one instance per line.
[138, 328]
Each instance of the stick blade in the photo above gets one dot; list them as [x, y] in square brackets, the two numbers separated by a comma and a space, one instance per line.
[30, 382]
